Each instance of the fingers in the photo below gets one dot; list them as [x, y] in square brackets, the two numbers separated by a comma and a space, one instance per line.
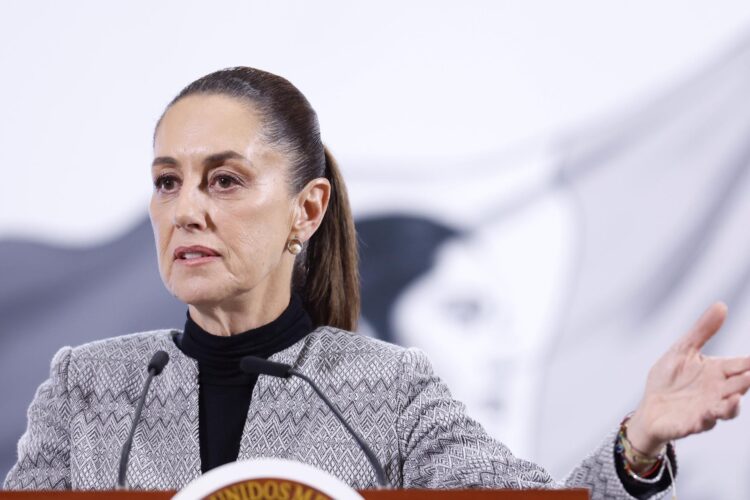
[727, 408]
[739, 384]
[708, 324]
[735, 366]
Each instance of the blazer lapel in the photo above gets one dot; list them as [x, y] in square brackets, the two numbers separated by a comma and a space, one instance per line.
[268, 431]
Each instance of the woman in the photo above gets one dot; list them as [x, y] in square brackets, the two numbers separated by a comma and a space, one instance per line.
[254, 234]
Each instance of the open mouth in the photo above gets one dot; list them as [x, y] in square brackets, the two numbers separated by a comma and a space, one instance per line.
[194, 253]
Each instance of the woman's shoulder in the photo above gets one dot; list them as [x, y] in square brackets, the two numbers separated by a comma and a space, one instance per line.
[341, 346]
[344, 361]
[334, 340]
[140, 344]
[112, 363]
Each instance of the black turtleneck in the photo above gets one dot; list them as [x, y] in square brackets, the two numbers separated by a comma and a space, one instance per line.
[225, 392]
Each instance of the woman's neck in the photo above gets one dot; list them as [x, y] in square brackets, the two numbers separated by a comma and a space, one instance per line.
[236, 316]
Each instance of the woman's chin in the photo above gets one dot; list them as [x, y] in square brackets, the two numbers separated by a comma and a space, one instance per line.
[198, 292]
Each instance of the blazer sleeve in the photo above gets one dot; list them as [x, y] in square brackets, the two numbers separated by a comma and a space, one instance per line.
[441, 447]
[44, 449]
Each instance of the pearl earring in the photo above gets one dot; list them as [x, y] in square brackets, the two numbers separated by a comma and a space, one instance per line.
[294, 246]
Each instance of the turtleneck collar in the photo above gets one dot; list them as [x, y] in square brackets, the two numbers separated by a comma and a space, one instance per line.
[219, 357]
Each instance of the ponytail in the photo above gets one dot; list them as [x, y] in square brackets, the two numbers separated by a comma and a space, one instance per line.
[331, 285]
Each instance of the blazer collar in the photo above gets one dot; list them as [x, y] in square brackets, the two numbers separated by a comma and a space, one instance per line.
[179, 382]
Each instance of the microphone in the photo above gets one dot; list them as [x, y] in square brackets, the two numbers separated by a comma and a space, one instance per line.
[253, 365]
[158, 361]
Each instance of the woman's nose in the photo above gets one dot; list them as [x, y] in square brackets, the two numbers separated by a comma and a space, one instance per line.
[189, 212]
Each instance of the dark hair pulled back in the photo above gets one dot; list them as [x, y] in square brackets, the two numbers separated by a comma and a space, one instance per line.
[326, 273]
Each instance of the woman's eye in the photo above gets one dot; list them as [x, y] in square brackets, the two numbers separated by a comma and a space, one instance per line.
[165, 183]
[224, 181]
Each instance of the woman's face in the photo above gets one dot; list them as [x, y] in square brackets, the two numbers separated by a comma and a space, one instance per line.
[221, 208]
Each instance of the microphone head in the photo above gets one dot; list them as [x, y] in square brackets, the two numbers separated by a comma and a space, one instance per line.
[253, 365]
[158, 361]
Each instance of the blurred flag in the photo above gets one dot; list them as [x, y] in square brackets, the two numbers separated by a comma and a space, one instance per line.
[543, 284]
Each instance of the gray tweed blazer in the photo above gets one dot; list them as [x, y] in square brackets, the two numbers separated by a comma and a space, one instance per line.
[81, 415]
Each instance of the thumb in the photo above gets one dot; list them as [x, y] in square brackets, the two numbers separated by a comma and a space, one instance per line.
[705, 328]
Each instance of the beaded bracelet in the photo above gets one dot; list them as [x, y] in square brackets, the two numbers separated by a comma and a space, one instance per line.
[661, 461]
[633, 456]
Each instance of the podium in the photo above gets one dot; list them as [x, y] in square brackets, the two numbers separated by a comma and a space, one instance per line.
[411, 494]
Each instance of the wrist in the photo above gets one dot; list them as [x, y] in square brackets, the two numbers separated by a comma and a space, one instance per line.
[638, 464]
[642, 441]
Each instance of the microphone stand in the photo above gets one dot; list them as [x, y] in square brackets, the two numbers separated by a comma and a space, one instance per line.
[379, 472]
[260, 366]
[155, 366]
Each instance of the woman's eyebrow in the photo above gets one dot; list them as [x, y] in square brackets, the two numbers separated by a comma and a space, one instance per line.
[165, 160]
[209, 161]
[217, 158]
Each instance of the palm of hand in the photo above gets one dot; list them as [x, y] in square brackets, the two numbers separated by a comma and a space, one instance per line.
[687, 392]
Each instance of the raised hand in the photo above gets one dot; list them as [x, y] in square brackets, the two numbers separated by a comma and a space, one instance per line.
[687, 392]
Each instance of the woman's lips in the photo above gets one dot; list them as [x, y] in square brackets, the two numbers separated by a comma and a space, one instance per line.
[195, 255]
[197, 261]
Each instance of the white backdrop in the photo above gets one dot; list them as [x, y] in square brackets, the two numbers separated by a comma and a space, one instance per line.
[467, 113]
[84, 81]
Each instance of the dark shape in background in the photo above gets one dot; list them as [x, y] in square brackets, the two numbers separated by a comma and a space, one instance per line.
[52, 297]
[395, 250]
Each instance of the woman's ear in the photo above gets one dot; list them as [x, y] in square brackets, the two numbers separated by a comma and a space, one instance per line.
[311, 206]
